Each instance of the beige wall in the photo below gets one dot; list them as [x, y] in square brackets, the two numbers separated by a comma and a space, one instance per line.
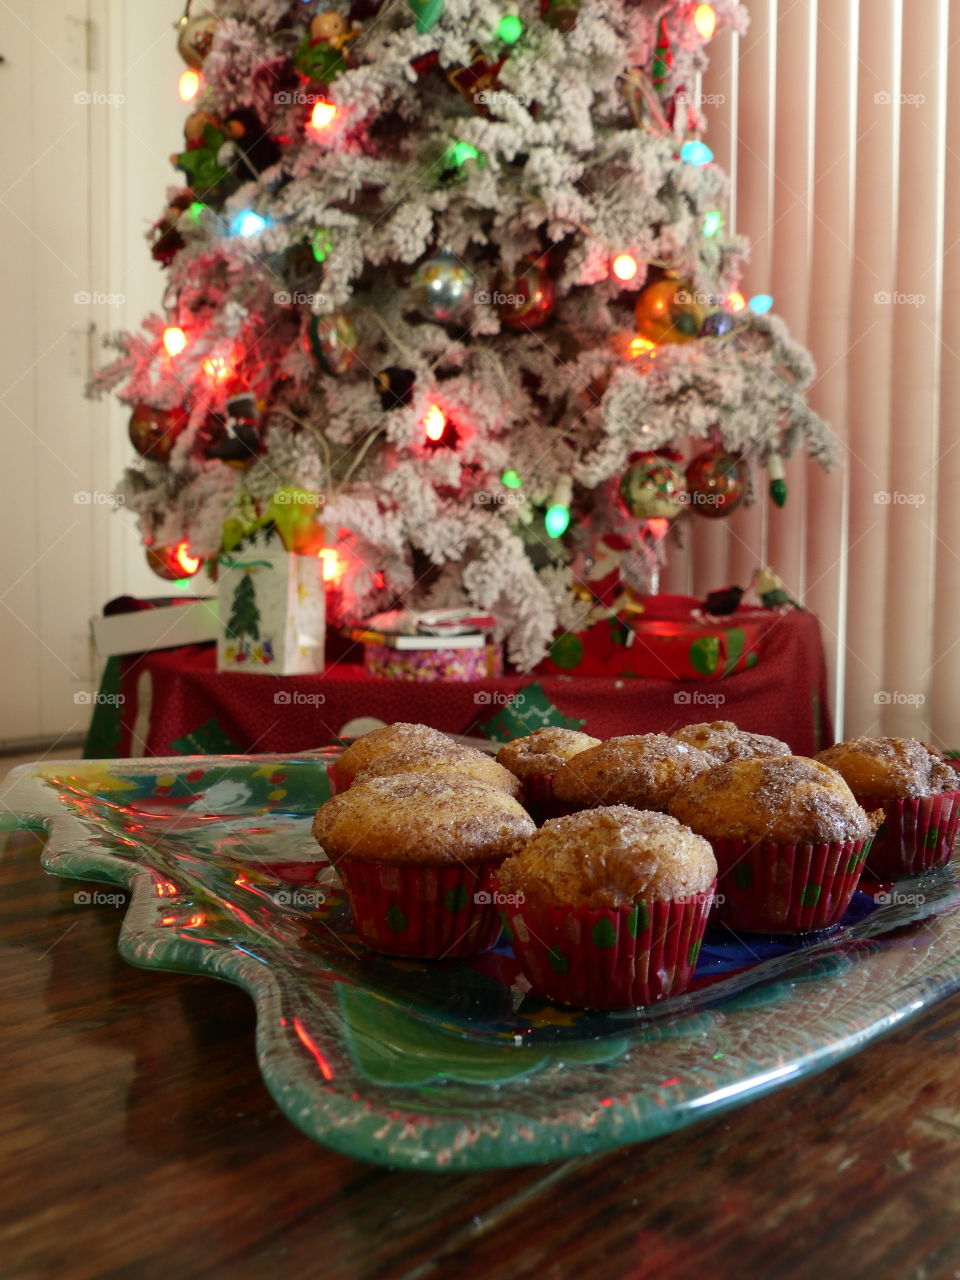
[82, 179]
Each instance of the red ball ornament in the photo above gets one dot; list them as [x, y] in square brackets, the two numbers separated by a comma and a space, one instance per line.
[173, 563]
[652, 487]
[526, 299]
[717, 483]
[154, 432]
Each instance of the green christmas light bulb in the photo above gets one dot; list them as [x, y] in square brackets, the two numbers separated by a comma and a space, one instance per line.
[557, 520]
[712, 222]
[510, 480]
[320, 245]
[509, 28]
[460, 152]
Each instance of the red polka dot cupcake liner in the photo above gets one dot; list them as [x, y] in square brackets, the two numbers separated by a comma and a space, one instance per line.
[918, 834]
[766, 887]
[608, 958]
[430, 912]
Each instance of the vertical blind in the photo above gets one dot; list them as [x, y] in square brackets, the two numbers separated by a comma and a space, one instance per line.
[839, 125]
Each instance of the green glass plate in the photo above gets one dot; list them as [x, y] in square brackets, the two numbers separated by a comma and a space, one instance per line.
[455, 1065]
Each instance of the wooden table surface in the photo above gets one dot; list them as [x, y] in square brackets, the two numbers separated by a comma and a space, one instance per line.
[137, 1140]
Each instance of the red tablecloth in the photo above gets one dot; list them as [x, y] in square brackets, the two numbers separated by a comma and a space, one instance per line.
[784, 695]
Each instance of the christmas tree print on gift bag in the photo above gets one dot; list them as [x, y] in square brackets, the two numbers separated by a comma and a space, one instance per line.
[272, 614]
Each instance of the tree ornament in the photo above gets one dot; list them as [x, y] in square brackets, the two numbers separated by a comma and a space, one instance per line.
[717, 483]
[477, 78]
[668, 311]
[173, 563]
[652, 486]
[663, 55]
[332, 28]
[561, 15]
[395, 387]
[333, 341]
[258, 150]
[426, 12]
[194, 38]
[154, 432]
[778, 485]
[241, 441]
[717, 324]
[526, 299]
[168, 239]
[442, 287]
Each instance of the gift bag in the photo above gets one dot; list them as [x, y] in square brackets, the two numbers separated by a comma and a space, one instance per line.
[272, 613]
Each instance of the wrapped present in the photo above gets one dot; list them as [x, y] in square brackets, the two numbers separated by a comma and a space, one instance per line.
[272, 610]
[673, 639]
[482, 662]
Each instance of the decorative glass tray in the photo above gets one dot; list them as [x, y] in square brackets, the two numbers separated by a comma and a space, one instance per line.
[456, 1065]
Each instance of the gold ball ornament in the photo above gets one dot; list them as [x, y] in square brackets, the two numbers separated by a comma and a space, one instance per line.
[194, 38]
[652, 487]
[668, 311]
[333, 341]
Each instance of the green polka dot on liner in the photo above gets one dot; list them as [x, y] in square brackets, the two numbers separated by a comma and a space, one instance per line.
[638, 921]
[396, 920]
[811, 895]
[456, 899]
[853, 862]
[604, 934]
[558, 961]
[743, 875]
[931, 838]
[694, 952]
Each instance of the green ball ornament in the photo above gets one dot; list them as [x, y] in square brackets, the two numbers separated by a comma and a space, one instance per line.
[652, 488]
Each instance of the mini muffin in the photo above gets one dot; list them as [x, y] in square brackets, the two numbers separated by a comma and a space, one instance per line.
[415, 852]
[724, 741]
[606, 908]
[454, 761]
[919, 792]
[789, 837]
[642, 770]
[381, 742]
[537, 757]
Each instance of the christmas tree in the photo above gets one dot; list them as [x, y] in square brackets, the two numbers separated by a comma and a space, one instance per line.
[244, 614]
[460, 268]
